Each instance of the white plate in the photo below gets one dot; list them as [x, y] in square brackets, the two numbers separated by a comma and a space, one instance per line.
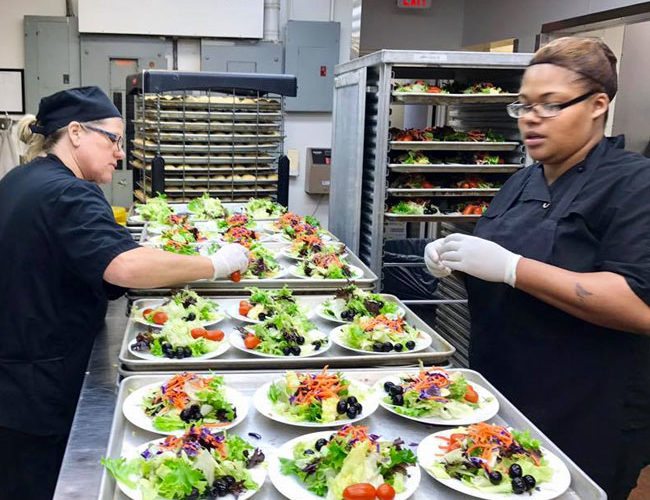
[320, 311]
[233, 312]
[223, 347]
[282, 272]
[356, 274]
[258, 474]
[429, 448]
[423, 341]
[292, 488]
[133, 409]
[238, 343]
[488, 410]
[264, 405]
[136, 317]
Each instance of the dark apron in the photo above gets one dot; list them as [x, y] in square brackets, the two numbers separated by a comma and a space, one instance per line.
[563, 373]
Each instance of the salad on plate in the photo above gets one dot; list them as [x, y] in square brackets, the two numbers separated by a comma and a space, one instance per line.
[184, 305]
[188, 399]
[207, 208]
[304, 246]
[242, 235]
[325, 266]
[264, 304]
[236, 220]
[351, 301]
[350, 463]
[317, 398]
[155, 209]
[380, 334]
[261, 263]
[263, 208]
[198, 464]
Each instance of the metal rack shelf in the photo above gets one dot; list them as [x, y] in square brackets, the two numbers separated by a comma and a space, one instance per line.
[431, 218]
[452, 99]
[441, 192]
[456, 168]
[454, 145]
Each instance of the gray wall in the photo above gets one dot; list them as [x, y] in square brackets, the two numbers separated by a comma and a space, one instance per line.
[385, 26]
[493, 20]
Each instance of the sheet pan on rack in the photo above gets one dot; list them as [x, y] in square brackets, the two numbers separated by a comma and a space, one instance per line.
[202, 148]
[217, 159]
[204, 126]
[233, 116]
[236, 138]
[213, 102]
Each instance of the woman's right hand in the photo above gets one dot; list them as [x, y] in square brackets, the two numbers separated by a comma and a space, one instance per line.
[432, 259]
[228, 259]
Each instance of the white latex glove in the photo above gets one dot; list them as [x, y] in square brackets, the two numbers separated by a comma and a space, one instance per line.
[480, 258]
[432, 259]
[228, 259]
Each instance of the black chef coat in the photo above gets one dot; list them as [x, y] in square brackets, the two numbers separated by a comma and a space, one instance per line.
[585, 386]
[57, 236]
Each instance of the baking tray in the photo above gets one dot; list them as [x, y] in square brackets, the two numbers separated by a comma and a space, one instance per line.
[204, 160]
[242, 191]
[441, 192]
[125, 435]
[203, 148]
[335, 357]
[458, 99]
[454, 145]
[233, 116]
[213, 138]
[228, 126]
[234, 197]
[213, 102]
[457, 168]
[175, 181]
[175, 170]
[431, 218]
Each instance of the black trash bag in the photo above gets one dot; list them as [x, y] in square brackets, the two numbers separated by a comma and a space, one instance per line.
[410, 283]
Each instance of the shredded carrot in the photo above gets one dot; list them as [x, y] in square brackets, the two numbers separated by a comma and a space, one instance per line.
[174, 389]
[357, 432]
[396, 325]
[317, 387]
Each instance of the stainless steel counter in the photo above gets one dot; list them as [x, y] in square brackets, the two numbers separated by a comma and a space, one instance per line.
[81, 471]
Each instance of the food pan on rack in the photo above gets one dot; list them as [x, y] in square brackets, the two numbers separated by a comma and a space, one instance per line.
[455, 145]
[271, 435]
[175, 170]
[446, 99]
[447, 168]
[233, 116]
[201, 148]
[238, 138]
[335, 356]
[213, 102]
[204, 126]
[441, 192]
[216, 159]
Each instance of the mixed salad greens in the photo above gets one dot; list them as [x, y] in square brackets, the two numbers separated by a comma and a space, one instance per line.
[304, 246]
[242, 235]
[207, 208]
[155, 209]
[284, 335]
[188, 399]
[333, 468]
[181, 239]
[380, 334]
[493, 459]
[264, 304]
[236, 220]
[323, 265]
[323, 397]
[183, 305]
[263, 208]
[198, 464]
[179, 339]
[444, 133]
[433, 392]
[351, 301]
[414, 207]
[262, 263]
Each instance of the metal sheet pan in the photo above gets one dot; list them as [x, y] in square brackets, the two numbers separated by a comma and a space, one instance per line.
[441, 192]
[213, 138]
[213, 102]
[335, 357]
[203, 148]
[205, 160]
[458, 168]
[204, 126]
[232, 116]
[244, 190]
[174, 182]
[273, 434]
[176, 170]
[230, 197]
[454, 145]
[452, 99]
[431, 218]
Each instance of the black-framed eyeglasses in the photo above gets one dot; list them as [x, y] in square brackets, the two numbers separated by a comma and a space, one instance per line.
[544, 109]
[117, 140]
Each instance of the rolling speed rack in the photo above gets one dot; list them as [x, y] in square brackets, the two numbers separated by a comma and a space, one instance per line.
[217, 133]
[427, 180]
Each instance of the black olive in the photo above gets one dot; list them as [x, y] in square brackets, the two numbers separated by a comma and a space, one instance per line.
[398, 399]
[300, 340]
[295, 350]
[398, 347]
[352, 412]
[286, 351]
[515, 470]
[194, 495]
[410, 345]
[190, 317]
[222, 489]
[387, 347]
[308, 452]
[320, 443]
[518, 485]
[495, 477]
[261, 316]
[358, 407]
[188, 352]
[352, 400]
[529, 481]
[396, 389]
[316, 344]
[341, 407]
[378, 347]
[228, 480]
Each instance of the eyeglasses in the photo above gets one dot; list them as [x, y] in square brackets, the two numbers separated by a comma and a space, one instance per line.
[117, 140]
[544, 109]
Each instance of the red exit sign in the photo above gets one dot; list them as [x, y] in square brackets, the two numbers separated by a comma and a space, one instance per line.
[414, 4]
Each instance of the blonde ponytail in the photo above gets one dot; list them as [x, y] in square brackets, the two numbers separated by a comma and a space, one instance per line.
[37, 144]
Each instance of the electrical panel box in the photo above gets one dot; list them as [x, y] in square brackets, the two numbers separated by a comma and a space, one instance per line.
[232, 57]
[317, 170]
[51, 57]
[312, 51]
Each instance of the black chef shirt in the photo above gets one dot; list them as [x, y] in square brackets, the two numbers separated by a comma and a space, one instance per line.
[582, 384]
[57, 236]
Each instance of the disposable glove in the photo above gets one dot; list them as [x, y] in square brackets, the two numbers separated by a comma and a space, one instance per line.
[432, 259]
[479, 258]
[228, 259]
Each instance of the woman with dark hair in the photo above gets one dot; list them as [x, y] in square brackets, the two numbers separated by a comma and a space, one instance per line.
[558, 270]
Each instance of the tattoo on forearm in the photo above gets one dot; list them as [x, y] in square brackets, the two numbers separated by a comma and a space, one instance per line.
[581, 293]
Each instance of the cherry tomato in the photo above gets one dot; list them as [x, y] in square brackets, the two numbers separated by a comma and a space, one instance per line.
[146, 313]
[160, 318]
[216, 335]
[251, 341]
[360, 491]
[433, 90]
[236, 276]
[478, 210]
[468, 210]
[244, 307]
[427, 185]
[465, 185]
[471, 395]
[198, 332]
[385, 492]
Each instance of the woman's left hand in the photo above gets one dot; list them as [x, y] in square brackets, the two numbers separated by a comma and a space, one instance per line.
[480, 258]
